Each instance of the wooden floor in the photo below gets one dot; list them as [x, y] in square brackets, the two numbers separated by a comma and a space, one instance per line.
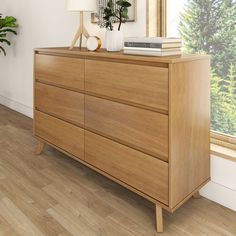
[54, 195]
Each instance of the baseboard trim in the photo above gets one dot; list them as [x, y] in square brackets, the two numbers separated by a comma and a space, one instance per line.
[16, 106]
[220, 194]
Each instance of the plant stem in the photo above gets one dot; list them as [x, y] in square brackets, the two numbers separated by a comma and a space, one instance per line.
[120, 18]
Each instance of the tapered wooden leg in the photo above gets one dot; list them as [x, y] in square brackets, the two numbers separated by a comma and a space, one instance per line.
[80, 41]
[77, 36]
[85, 33]
[159, 219]
[39, 148]
[196, 195]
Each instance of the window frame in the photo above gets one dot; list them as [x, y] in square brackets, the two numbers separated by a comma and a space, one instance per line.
[156, 18]
[158, 27]
[224, 140]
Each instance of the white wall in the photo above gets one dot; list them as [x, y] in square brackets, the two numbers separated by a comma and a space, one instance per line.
[222, 188]
[42, 23]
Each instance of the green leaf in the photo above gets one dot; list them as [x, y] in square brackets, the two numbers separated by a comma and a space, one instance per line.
[127, 4]
[6, 26]
[110, 4]
[5, 41]
[123, 3]
[3, 50]
[3, 35]
[8, 30]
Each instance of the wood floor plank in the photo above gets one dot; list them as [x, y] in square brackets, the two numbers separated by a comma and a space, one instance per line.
[5, 228]
[2, 194]
[135, 210]
[10, 189]
[78, 198]
[88, 210]
[74, 224]
[32, 209]
[2, 176]
[26, 185]
[14, 216]
[59, 171]
[16, 166]
[53, 195]
[82, 221]
[65, 234]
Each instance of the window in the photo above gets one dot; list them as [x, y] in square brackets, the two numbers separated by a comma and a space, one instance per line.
[209, 26]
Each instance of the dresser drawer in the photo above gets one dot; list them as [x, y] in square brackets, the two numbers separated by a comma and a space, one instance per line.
[62, 103]
[139, 128]
[135, 84]
[68, 137]
[141, 171]
[61, 71]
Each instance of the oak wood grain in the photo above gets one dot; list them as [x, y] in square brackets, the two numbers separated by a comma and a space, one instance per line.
[65, 71]
[39, 148]
[196, 195]
[189, 128]
[145, 111]
[62, 103]
[141, 129]
[62, 134]
[145, 85]
[128, 165]
[102, 54]
[159, 219]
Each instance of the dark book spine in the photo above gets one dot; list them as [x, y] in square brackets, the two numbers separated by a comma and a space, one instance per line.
[143, 45]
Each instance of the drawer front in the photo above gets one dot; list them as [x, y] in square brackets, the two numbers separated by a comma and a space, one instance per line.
[141, 129]
[137, 84]
[143, 172]
[62, 103]
[68, 137]
[61, 71]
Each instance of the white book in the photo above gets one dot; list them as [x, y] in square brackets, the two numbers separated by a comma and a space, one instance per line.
[151, 53]
[152, 40]
[152, 45]
[154, 49]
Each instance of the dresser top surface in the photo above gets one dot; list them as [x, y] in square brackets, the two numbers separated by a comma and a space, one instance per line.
[103, 54]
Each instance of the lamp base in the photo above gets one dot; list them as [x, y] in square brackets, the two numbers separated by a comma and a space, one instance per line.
[80, 32]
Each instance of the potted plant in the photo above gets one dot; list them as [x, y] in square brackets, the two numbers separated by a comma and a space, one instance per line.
[115, 11]
[7, 25]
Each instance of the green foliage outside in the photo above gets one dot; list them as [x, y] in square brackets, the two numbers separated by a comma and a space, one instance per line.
[7, 24]
[209, 26]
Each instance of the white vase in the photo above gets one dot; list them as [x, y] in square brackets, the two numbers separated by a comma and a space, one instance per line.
[114, 40]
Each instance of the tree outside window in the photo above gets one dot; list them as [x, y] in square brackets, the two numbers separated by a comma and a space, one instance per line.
[209, 26]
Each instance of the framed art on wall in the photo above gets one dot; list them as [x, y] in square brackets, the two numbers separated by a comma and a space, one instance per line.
[103, 3]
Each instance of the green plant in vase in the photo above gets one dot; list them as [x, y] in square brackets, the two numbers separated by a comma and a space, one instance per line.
[7, 25]
[115, 11]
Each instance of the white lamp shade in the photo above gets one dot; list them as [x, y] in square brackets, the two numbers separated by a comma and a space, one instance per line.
[82, 5]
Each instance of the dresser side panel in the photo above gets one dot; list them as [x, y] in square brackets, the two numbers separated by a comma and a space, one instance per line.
[189, 128]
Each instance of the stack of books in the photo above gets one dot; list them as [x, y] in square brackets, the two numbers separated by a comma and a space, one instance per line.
[156, 46]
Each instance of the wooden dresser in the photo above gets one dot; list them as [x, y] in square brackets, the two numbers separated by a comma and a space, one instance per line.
[144, 122]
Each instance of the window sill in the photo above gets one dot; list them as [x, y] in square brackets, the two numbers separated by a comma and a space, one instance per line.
[223, 152]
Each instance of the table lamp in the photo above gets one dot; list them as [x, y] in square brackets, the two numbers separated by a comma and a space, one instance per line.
[81, 6]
